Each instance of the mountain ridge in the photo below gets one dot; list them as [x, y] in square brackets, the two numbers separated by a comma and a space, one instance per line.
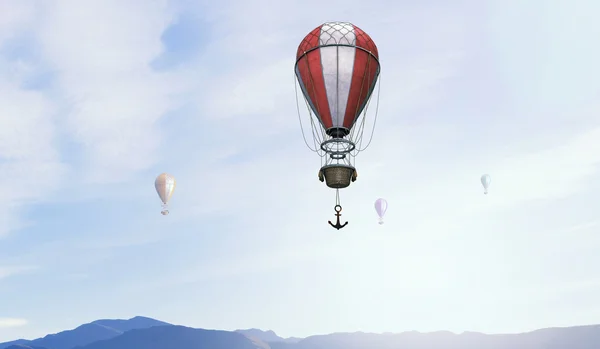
[267, 335]
[22, 346]
[170, 337]
[148, 333]
[86, 333]
[577, 337]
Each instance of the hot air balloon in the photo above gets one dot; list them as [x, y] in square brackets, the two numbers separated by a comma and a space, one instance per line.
[381, 206]
[337, 68]
[165, 186]
[485, 181]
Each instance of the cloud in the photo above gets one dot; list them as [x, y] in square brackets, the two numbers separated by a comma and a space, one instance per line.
[28, 154]
[78, 276]
[12, 322]
[551, 173]
[6, 271]
[583, 227]
[115, 99]
[98, 120]
[15, 15]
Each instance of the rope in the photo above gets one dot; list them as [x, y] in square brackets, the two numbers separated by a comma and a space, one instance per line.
[300, 117]
[375, 118]
[363, 123]
[362, 85]
[360, 129]
[317, 140]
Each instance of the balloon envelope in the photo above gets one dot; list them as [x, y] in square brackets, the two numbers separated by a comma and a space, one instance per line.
[165, 186]
[380, 207]
[486, 180]
[337, 66]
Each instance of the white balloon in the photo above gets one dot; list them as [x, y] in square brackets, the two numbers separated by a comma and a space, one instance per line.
[486, 180]
[381, 206]
[165, 186]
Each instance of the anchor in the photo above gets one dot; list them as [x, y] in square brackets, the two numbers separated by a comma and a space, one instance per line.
[337, 225]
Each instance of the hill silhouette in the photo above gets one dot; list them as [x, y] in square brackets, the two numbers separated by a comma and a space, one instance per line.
[175, 337]
[267, 336]
[146, 333]
[22, 346]
[19, 343]
[581, 337]
[86, 333]
[134, 323]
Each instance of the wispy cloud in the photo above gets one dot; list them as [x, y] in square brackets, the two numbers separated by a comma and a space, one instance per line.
[27, 155]
[8, 271]
[27, 132]
[78, 276]
[12, 322]
[115, 99]
[583, 227]
[99, 121]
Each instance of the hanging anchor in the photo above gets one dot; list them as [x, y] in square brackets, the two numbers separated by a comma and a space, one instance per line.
[337, 225]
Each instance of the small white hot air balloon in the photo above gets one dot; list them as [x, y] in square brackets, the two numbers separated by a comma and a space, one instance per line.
[380, 207]
[165, 186]
[485, 181]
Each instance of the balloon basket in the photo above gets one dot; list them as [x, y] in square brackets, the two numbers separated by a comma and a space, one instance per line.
[338, 176]
[165, 209]
[380, 222]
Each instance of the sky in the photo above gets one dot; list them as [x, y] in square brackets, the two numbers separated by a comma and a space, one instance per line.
[98, 97]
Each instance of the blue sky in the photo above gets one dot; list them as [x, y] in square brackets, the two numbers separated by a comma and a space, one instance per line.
[99, 97]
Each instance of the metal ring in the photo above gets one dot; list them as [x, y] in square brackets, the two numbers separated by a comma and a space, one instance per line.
[349, 146]
[338, 208]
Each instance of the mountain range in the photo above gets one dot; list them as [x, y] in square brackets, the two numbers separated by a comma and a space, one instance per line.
[146, 333]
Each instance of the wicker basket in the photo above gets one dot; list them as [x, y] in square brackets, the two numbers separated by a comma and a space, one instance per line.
[337, 176]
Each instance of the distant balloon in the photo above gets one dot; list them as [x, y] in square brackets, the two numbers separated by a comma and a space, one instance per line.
[165, 186]
[485, 181]
[380, 207]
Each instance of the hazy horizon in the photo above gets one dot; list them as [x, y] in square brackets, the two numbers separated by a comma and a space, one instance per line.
[99, 97]
[320, 334]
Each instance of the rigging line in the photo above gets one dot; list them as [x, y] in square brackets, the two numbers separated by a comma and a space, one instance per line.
[312, 81]
[314, 129]
[366, 106]
[361, 128]
[300, 117]
[316, 139]
[362, 85]
[376, 114]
